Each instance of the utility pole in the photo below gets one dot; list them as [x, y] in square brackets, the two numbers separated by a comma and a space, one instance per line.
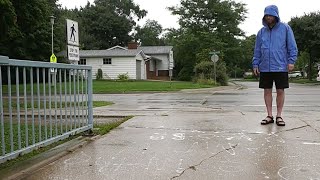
[52, 23]
[52, 70]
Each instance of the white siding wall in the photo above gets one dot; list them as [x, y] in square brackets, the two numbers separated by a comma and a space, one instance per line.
[95, 63]
[151, 68]
[164, 64]
[120, 65]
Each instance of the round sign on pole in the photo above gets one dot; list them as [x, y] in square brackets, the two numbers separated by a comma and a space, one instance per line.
[214, 58]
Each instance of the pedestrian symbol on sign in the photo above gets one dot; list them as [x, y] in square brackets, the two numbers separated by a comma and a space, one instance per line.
[72, 33]
[73, 30]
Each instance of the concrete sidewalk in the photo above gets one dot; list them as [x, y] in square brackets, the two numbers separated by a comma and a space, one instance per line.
[204, 135]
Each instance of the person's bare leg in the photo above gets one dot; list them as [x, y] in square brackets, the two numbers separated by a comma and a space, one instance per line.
[280, 101]
[268, 100]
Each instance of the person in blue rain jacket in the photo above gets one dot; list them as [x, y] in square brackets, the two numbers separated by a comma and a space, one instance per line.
[275, 54]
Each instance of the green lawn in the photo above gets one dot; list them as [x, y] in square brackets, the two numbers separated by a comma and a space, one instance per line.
[69, 86]
[248, 80]
[37, 129]
[292, 80]
[101, 103]
[107, 86]
[100, 129]
[304, 81]
[14, 104]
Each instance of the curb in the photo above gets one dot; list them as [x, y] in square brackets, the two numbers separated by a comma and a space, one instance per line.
[26, 168]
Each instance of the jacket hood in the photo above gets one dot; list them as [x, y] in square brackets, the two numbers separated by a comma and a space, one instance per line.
[273, 11]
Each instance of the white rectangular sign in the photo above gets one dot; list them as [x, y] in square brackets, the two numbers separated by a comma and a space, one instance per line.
[171, 64]
[73, 53]
[72, 32]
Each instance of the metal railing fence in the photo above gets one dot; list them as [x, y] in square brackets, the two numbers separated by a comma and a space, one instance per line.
[42, 103]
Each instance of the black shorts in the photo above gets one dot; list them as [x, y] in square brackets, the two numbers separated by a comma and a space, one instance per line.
[280, 78]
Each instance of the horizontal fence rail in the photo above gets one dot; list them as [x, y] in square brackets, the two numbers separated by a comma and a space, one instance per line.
[42, 103]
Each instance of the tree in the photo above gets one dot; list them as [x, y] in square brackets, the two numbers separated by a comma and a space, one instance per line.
[149, 34]
[29, 37]
[306, 30]
[218, 16]
[185, 47]
[212, 25]
[302, 61]
[205, 69]
[7, 18]
[108, 23]
[9, 30]
[247, 48]
[25, 30]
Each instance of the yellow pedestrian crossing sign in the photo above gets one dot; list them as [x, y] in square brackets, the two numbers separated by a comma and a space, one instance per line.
[53, 59]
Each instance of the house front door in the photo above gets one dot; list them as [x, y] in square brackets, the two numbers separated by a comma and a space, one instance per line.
[138, 65]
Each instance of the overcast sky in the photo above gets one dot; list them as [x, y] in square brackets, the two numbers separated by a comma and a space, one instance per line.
[157, 11]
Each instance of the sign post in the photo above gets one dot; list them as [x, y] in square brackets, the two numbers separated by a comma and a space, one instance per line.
[215, 59]
[53, 59]
[171, 65]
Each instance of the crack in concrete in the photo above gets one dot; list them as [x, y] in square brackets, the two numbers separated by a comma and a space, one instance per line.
[194, 166]
[176, 129]
[242, 113]
[204, 101]
[310, 126]
[307, 125]
[301, 127]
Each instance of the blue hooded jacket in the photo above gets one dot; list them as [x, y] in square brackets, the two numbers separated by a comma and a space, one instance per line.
[275, 48]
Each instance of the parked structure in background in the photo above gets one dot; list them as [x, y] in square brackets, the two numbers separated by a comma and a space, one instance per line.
[295, 74]
[158, 64]
[318, 76]
[139, 62]
[248, 74]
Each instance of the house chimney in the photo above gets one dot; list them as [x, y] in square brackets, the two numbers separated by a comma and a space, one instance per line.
[132, 45]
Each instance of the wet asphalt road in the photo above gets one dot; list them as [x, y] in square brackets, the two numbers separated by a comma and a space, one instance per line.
[201, 134]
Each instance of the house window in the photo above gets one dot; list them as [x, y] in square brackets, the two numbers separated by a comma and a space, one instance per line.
[82, 62]
[107, 61]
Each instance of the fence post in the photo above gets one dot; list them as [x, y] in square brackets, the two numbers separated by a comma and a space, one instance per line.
[90, 105]
[4, 59]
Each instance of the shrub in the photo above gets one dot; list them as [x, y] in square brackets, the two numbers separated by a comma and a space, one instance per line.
[205, 81]
[205, 70]
[222, 77]
[123, 77]
[99, 74]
